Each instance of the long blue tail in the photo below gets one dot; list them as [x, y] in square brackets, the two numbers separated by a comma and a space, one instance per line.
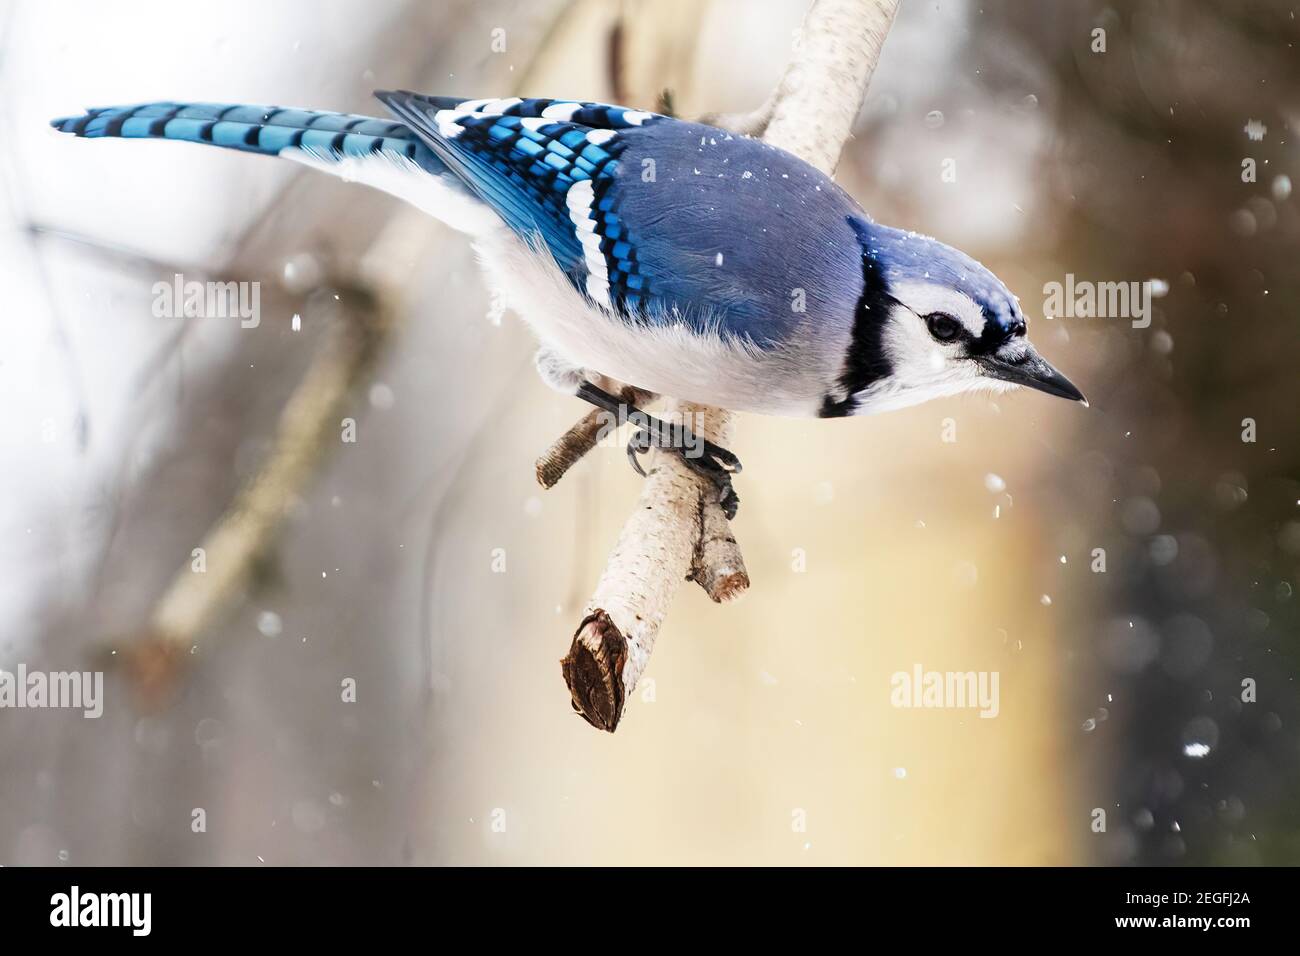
[255, 129]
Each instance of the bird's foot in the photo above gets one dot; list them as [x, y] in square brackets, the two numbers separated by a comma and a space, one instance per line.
[710, 461]
[701, 456]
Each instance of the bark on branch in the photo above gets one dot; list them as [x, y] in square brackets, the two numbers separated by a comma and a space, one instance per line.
[569, 448]
[677, 531]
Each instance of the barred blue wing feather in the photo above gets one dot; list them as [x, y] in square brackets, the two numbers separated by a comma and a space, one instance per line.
[547, 167]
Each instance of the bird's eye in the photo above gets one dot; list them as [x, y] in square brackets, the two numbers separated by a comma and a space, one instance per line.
[943, 327]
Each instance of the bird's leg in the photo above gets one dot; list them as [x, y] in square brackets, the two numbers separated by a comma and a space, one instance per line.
[698, 454]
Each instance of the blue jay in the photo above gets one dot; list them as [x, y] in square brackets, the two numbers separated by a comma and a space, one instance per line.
[673, 256]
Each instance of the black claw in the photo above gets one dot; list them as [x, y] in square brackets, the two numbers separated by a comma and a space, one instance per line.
[724, 459]
[730, 502]
[637, 445]
[713, 462]
[720, 476]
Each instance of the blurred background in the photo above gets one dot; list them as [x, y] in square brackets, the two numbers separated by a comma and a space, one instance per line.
[423, 562]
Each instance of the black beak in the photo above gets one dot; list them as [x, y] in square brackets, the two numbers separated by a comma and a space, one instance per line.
[1032, 371]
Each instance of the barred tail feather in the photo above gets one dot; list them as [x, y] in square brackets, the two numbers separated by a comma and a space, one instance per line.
[254, 129]
[382, 153]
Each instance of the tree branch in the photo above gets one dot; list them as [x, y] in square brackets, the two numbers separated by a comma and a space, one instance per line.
[823, 88]
[569, 448]
[677, 530]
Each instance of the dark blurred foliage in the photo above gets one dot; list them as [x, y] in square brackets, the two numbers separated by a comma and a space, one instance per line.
[1201, 528]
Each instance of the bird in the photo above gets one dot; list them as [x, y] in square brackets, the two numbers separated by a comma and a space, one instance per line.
[674, 256]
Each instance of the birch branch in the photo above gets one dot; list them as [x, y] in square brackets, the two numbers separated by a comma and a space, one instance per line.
[569, 448]
[656, 551]
[823, 88]
[674, 533]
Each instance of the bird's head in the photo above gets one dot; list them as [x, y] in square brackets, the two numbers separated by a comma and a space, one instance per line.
[934, 322]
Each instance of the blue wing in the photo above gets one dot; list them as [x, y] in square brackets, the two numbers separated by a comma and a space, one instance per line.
[524, 158]
[721, 234]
